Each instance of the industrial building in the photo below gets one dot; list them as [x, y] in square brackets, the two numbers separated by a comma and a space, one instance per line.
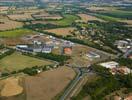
[36, 47]
[110, 65]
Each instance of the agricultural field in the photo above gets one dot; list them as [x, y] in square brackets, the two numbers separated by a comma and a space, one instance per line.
[86, 17]
[129, 22]
[16, 61]
[13, 41]
[15, 33]
[113, 12]
[48, 84]
[114, 19]
[107, 18]
[66, 21]
[11, 87]
[93, 8]
[61, 31]
[6, 24]
[3, 8]
[31, 10]
[45, 15]
[118, 14]
[21, 17]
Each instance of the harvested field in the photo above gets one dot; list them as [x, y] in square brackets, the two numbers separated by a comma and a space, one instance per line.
[61, 31]
[45, 15]
[25, 16]
[87, 18]
[27, 10]
[101, 8]
[3, 8]
[129, 22]
[13, 41]
[16, 61]
[6, 24]
[11, 87]
[48, 84]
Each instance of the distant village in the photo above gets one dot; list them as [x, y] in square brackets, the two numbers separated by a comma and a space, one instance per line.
[125, 46]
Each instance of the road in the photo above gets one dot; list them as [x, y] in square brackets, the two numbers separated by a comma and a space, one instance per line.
[81, 73]
[71, 87]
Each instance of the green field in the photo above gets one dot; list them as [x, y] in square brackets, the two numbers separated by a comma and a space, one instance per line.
[15, 33]
[107, 18]
[118, 14]
[67, 20]
[17, 61]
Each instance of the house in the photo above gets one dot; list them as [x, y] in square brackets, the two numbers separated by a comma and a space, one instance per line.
[110, 65]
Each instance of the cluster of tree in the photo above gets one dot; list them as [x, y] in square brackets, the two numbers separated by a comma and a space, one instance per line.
[59, 58]
[9, 52]
[29, 71]
[108, 32]
[114, 29]
[104, 85]
[41, 26]
[102, 71]
[2, 46]
[34, 70]
[125, 62]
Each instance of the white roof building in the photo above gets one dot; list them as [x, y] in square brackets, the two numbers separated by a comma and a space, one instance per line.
[110, 65]
[22, 46]
[92, 55]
